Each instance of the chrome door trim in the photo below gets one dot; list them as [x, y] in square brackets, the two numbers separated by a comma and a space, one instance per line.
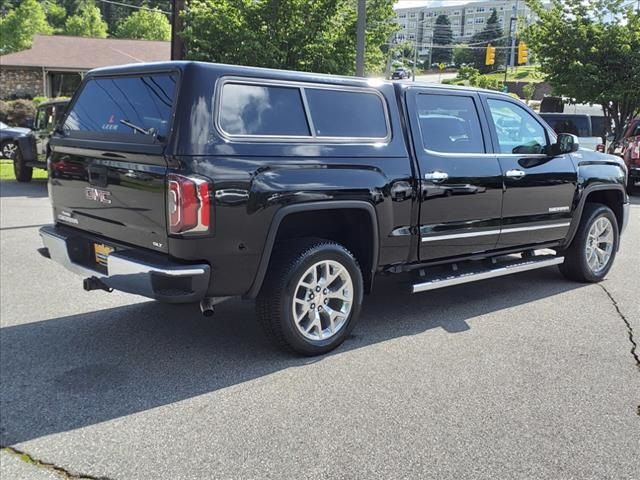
[460, 235]
[436, 238]
[535, 227]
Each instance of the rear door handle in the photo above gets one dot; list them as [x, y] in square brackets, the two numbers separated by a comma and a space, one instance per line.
[515, 174]
[436, 177]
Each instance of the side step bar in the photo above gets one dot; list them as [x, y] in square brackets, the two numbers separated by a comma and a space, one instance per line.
[498, 270]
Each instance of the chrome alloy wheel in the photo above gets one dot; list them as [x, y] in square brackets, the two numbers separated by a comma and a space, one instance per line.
[9, 150]
[599, 246]
[322, 300]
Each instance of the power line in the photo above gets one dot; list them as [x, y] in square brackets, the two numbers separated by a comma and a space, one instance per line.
[137, 7]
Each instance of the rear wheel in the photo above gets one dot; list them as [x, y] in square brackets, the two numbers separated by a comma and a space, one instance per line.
[311, 297]
[591, 254]
[20, 170]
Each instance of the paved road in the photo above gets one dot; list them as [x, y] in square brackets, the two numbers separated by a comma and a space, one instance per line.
[516, 378]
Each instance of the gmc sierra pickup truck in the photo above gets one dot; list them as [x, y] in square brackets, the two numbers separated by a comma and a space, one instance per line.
[195, 182]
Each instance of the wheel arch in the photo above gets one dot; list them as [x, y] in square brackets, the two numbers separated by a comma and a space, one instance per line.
[367, 257]
[611, 195]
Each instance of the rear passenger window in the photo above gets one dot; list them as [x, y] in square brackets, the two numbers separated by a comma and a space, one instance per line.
[262, 110]
[449, 124]
[337, 113]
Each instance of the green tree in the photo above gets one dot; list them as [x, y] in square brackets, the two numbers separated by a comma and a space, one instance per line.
[293, 34]
[87, 23]
[115, 13]
[491, 34]
[145, 25]
[20, 24]
[442, 35]
[462, 55]
[588, 59]
[56, 14]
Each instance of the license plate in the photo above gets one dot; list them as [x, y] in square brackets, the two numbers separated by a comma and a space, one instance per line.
[102, 252]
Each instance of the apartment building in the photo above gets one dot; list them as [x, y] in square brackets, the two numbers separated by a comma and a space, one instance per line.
[417, 22]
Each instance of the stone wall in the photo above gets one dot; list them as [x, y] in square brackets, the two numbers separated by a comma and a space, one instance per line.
[16, 82]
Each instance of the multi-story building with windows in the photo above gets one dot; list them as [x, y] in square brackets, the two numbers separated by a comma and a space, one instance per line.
[417, 22]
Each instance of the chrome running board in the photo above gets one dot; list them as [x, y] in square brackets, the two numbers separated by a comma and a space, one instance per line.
[497, 270]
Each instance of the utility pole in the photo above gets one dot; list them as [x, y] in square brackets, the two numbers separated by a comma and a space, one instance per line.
[415, 59]
[177, 43]
[360, 31]
[512, 43]
[430, 51]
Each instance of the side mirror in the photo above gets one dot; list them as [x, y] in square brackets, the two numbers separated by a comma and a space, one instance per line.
[566, 143]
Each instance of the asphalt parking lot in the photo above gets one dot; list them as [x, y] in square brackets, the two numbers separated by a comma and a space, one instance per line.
[523, 377]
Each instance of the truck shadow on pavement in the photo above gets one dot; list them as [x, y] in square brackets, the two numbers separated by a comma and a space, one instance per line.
[71, 372]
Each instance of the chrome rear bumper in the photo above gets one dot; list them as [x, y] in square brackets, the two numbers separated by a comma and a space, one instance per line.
[129, 270]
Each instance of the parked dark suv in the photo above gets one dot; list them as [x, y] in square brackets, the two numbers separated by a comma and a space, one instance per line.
[194, 182]
[33, 149]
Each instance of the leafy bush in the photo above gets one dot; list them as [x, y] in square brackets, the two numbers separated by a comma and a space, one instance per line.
[4, 111]
[467, 72]
[20, 112]
[38, 100]
[529, 90]
[482, 81]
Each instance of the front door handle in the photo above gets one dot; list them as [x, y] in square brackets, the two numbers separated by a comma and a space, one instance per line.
[436, 177]
[517, 174]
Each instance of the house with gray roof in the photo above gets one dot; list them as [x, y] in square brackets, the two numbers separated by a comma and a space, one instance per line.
[55, 64]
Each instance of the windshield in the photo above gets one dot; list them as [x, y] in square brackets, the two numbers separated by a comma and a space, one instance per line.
[110, 106]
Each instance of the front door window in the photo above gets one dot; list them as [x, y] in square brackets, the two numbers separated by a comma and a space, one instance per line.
[518, 131]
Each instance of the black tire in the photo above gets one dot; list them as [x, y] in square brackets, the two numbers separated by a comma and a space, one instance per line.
[5, 146]
[20, 170]
[575, 266]
[287, 268]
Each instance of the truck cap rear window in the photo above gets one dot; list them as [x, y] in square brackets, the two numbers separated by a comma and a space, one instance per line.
[133, 108]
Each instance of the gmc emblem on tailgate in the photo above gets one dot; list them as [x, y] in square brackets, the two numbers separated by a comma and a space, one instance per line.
[102, 196]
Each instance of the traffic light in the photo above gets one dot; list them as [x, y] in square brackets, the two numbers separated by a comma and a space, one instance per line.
[523, 53]
[490, 57]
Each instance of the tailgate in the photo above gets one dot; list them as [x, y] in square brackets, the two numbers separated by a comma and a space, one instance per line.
[107, 166]
[121, 199]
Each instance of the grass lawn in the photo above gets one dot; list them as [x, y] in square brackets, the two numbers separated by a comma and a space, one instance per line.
[521, 74]
[6, 171]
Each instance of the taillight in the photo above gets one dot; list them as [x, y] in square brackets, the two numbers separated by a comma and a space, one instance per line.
[188, 204]
[635, 150]
[600, 147]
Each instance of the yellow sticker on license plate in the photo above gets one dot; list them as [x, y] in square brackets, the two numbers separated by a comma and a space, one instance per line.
[102, 252]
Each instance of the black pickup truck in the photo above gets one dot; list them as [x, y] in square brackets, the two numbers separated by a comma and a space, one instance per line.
[195, 182]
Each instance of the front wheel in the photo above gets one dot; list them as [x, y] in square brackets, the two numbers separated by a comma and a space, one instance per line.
[311, 297]
[8, 149]
[593, 249]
